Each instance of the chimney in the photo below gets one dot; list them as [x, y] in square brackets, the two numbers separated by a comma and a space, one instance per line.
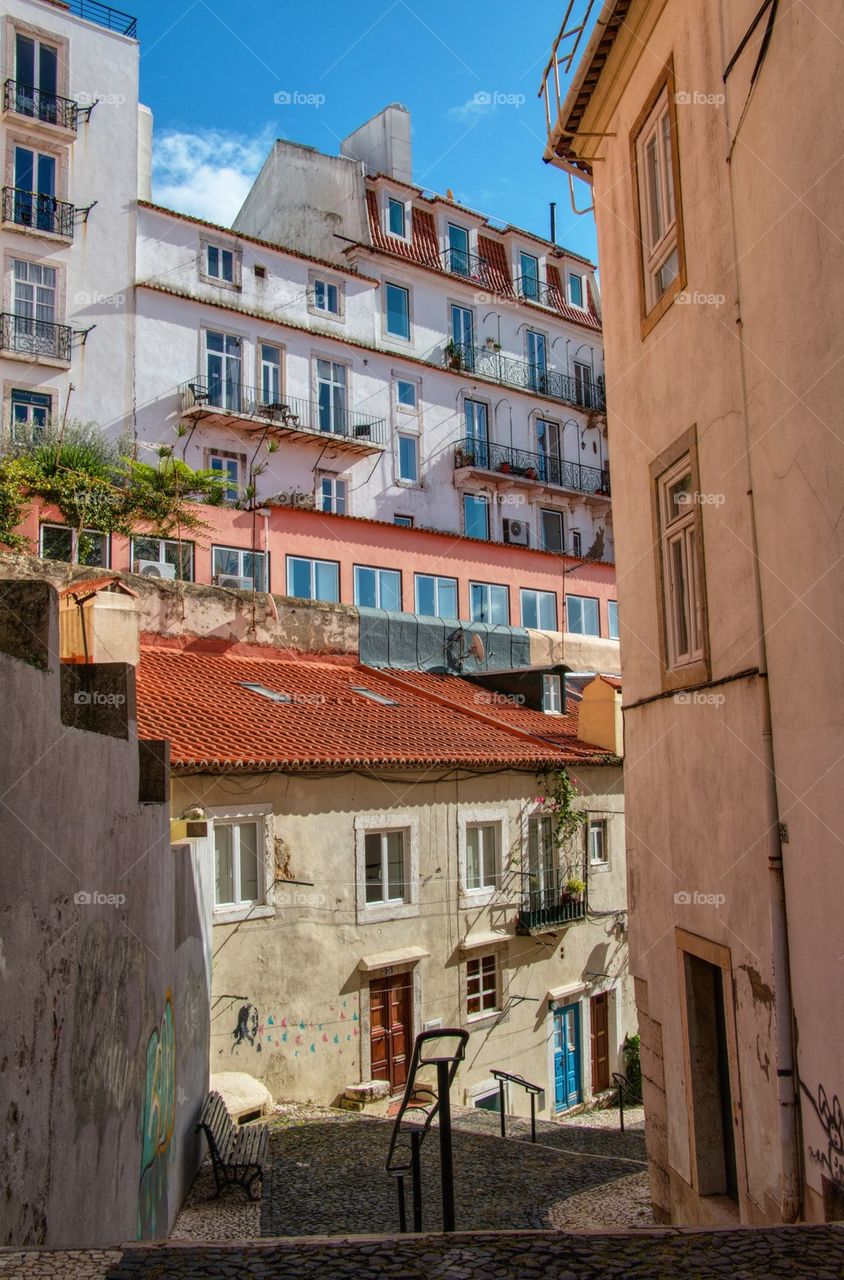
[383, 144]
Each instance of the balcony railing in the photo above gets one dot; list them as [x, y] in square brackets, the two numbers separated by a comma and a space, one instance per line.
[470, 266]
[533, 290]
[48, 107]
[550, 904]
[103, 14]
[321, 417]
[486, 362]
[30, 336]
[543, 468]
[40, 212]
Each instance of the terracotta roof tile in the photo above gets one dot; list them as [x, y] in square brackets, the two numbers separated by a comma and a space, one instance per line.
[421, 249]
[499, 271]
[575, 314]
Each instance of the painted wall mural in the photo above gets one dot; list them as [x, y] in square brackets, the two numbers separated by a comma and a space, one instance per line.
[158, 1120]
[295, 1036]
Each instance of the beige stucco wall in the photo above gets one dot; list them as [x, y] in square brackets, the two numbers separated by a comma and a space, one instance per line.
[299, 965]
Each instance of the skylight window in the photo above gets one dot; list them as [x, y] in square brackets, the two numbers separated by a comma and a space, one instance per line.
[374, 697]
[266, 693]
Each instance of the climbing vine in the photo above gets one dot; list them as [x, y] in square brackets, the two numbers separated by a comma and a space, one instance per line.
[558, 803]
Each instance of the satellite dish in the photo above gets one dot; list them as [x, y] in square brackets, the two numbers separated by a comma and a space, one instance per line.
[477, 648]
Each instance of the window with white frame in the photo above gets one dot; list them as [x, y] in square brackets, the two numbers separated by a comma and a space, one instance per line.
[34, 327]
[482, 984]
[326, 296]
[397, 311]
[269, 374]
[387, 866]
[543, 875]
[436, 597]
[683, 596]
[482, 856]
[596, 842]
[476, 508]
[551, 525]
[403, 521]
[539, 609]
[612, 618]
[227, 466]
[406, 392]
[239, 568]
[313, 579]
[221, 265]
[408, 458]
[583, 616]
[396, 218]
[153, 551]
[30, 415]
[238, 858]
[576, 542]
[657, 200]
[529, 276]
[377, 588]
[552, 695]
[333, 495]
[489, 602]
[575, 289]
[60, 542]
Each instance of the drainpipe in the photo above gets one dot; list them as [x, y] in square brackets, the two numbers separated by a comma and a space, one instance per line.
[787, 1093]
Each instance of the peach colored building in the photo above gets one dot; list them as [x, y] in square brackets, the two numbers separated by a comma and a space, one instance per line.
[707, 134]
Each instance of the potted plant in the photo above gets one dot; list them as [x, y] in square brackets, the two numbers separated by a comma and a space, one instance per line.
[530, 473]
[453, 354]
[463, 457]
[504, 468]
[574, 889]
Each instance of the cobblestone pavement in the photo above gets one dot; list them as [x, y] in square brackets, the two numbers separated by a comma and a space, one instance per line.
[749, 1254]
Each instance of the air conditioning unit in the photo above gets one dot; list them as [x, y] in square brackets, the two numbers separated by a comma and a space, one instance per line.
[237, 584]
[517, 531]
[154, 569]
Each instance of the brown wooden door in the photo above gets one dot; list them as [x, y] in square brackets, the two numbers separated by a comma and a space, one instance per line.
[390, 1028]
[599, 1009]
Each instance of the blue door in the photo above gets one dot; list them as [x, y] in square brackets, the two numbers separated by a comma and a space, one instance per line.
[567, 1091]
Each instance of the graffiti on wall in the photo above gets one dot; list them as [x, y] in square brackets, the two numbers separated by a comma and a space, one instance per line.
[831, 1121]
[295, 1036]
[246, 1031]
[158, 1119]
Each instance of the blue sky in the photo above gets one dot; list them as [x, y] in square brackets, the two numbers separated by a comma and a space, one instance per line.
[210, 72]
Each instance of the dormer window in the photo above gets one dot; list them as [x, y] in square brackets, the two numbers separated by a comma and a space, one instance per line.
[552, 696]
[396, 218]
[529, 276]
[575, 290]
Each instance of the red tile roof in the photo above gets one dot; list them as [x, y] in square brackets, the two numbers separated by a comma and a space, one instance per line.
[575, 314]
[422, 248]
[499, 270]
[196, 698]
[90, 587]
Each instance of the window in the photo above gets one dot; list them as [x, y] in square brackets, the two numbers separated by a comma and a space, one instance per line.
[596, 842]
[223, 370]
[476, 516]
[542, 863]
[237, 874]
[230, 468]
[378, 588]
[408, 459]
[576, 543]
[58, 542]
[220, 264]
[462, 338]
[477, 432]
[552, 695]
[539, 610]
[164, 551]
[332, 495]
[34, 310]
[396, 220]
[385, 867]
[397, 301]
[260, 272]
[612, 617]
[313, 579]
[37, 75]
[234, 567]
[331, 396]
[30, 415]
[537, 360]
[436, 597]
[575, 290]
[529, 269]
[552, 530]
[481, 985]
[582, 616]
[482, 865]
[407, 395]
[679, 541]
[34, 202]
[326, 297]
[270, 374]
[489, 603]
[658, 212]
[403, 522]
[584, 392]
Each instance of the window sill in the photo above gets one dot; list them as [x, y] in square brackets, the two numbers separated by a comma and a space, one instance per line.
[36, 233]
[337, 316]
[378, 914]
[233, 915]
[230, 286]
[478, 1021]
[470, 898]
[35, 357]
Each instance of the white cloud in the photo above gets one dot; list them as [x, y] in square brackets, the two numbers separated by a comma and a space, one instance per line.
[207, 174]
[478, 106]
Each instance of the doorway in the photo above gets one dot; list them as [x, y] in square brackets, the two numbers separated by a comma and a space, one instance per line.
[391, 1028]
[709, 1078]
[599, 1011]
[567, 1091]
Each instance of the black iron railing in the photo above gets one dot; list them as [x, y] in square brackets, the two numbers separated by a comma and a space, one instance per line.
[27, 335]
[533, 1090]
[533, 290]
[443, 1049]
[626, 1092]
[550, 903]
[48, 107]
[541, 467]
[471, 266]
[486, 362]
[104, 16]
[323, 416]
[40, 212]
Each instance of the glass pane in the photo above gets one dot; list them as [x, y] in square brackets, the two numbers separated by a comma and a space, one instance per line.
[668, 271]
[552, 530]
[299, 578]
[547, 611]
[396, 217]
[93, 549]
[390, 590]
[653, 187]
[408, 468]
[576, 290]
[406, 393]
[476, 516]
[665, 127]
[56, 544]
[478, 602]
[447, 593]
[473, 858]
[248, 861]
[224, 866]
[372, 859]
[488, 868]
[327, 587]
[500, 605]
[612, 611]
[226, 561]
[398, 311]
[365, 588]
[395, 864]
[680, 593]
[426, 597]
[530, 610]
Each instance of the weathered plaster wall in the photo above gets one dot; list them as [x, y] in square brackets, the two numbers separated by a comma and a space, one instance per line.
[103, 969]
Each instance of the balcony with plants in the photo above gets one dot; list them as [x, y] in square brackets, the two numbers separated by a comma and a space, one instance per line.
[505, 464]
[509, 371]
[555, 891]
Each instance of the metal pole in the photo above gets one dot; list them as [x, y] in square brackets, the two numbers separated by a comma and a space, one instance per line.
[402, 1212]
[621, 1105]
[533, 1117]
[503, 1119]
[446, 1157]
[416, 1167]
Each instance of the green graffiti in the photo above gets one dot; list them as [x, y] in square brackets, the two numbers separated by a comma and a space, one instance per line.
[158, 1120]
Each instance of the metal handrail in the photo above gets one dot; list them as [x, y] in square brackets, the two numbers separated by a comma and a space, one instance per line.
[469, 266]
[530, 289]
[104, 15]
[446, 1065]
[542, 467]
[622, 1083]
[510, 371]
[532, 1089]
[52, 108]
[293, 412]
[36, 210]
[30, 336]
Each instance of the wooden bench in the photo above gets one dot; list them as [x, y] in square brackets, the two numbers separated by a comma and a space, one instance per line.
[238, 1152]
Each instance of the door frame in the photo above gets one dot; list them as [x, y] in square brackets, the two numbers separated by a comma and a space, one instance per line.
[372, 975]
[564, 1001]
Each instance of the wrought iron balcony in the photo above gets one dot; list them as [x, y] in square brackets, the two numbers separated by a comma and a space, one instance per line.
[471, 266]
[104, 16]
[533, 290]
[27, 335]
[322, 417]
[541, 468]
[486, 362]
[47, 107]
[40, 212]
[548, 905]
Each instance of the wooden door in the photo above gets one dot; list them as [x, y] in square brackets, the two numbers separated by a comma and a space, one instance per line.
[391, 1028]
[599, 1009]
[567, 1091]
